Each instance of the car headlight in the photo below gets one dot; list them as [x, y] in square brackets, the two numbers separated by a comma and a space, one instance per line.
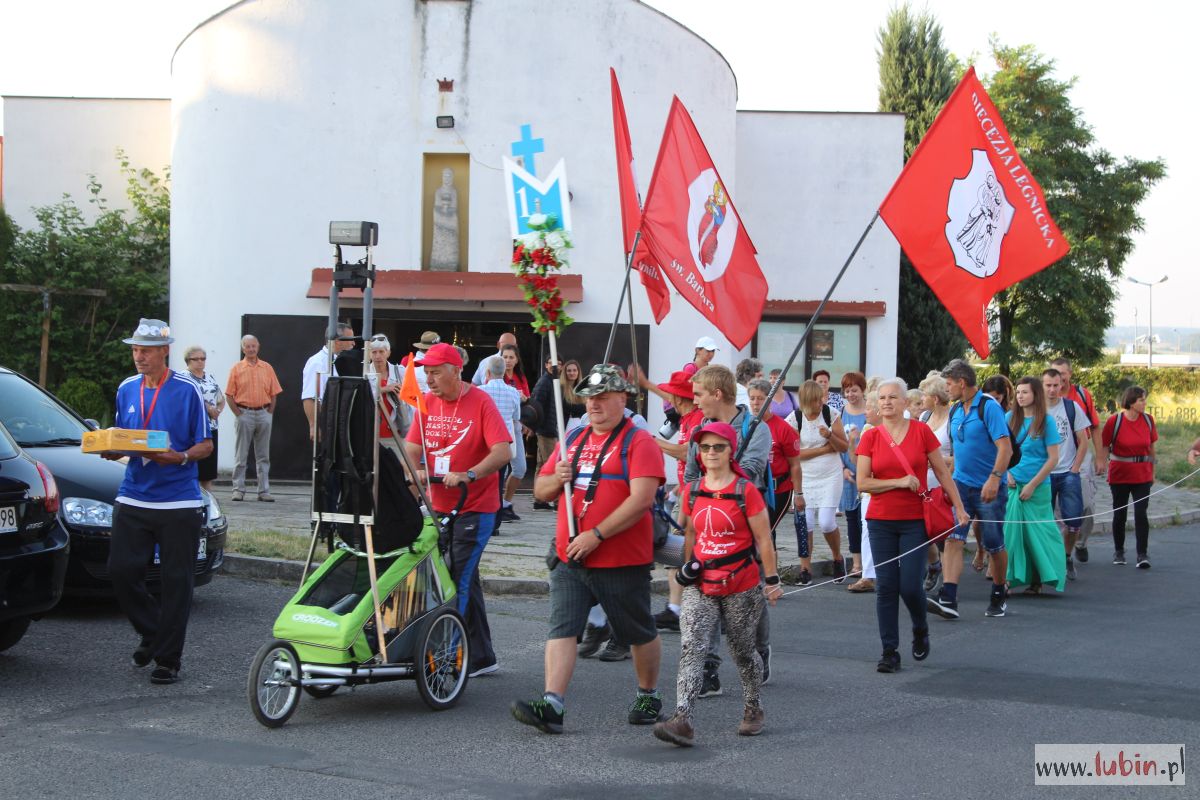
[84, 512]
[214, 508]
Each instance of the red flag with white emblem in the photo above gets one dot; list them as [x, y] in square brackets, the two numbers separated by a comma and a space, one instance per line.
[691, 228]
[631, 207]
[968, 213]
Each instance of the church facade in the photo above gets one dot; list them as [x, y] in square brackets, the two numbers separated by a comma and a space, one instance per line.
[287, 114]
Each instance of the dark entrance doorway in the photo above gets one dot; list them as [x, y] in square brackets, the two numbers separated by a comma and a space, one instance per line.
[289, 340]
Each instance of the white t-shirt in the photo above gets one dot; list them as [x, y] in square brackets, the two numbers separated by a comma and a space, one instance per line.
[317, 364]
[1067, 449]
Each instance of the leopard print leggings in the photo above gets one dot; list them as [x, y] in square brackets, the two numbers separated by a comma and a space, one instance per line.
[699, 616]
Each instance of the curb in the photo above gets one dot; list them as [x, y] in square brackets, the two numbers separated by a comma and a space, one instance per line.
[277, 569]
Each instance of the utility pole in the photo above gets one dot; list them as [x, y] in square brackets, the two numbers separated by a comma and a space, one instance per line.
[1150, 322]
[46, 292]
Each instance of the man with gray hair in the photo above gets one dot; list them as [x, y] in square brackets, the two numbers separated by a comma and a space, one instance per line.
[508, 402]
[251, 391]
[317, 372]
[982, 449]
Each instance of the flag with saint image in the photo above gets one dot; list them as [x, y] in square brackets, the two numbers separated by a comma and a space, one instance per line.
[968, 212]
[692, 230]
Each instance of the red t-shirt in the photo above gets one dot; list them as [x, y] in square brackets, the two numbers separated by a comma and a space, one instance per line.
[785, 444]
[635, 545]
[918, 443]
[722, 529]
[1134, 440]
[518, 382]
[1088, 405]
[463, 431]
[687, 423]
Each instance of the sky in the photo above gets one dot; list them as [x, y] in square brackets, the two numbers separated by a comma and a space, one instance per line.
[787, 55]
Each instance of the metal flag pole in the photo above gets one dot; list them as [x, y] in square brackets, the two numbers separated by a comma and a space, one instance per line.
[804, 337]
[612, 333]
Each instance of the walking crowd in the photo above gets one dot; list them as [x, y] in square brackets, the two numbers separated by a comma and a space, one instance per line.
[915, 474]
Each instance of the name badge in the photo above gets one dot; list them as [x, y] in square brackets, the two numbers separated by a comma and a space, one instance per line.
[441, 465]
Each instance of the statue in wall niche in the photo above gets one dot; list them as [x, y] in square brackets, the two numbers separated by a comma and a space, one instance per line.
[443, 255]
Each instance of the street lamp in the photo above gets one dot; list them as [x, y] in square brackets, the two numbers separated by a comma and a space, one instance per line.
[1150, 322]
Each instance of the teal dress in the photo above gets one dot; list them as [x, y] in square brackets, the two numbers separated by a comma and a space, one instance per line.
[1035, 547]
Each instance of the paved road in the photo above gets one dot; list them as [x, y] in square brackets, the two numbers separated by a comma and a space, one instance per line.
[1112, 661]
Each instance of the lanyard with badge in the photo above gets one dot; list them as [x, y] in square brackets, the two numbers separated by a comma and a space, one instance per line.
[148, 415]
[593, 483]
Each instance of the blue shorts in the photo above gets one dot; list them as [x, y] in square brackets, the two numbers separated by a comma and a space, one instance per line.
[992, 513]
[1066, 494]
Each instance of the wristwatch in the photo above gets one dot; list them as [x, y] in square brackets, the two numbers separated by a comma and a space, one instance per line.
[471, 475]
[998, 474]
[771, 580]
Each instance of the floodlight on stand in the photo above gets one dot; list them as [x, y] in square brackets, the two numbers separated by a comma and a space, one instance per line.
[354, 234]
[445, 122]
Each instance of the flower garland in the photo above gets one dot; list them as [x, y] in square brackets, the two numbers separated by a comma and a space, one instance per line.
[537, 258]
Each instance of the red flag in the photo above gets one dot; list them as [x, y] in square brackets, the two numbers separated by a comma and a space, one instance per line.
[690, 226]
[631, 207]
[410, 390]
[968, 213]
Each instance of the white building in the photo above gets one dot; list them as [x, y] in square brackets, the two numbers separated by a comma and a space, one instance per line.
[286, 114]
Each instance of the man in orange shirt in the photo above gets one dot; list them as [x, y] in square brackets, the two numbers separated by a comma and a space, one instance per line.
[251, 391]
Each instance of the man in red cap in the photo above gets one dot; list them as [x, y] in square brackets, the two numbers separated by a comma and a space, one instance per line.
[465, 442]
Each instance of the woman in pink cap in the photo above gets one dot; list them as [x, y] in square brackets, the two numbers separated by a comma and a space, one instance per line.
[726, 523]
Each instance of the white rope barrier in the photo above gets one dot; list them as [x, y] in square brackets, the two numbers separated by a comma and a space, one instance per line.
[931, 540]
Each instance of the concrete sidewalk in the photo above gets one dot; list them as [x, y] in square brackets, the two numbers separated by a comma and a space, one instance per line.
[515, 559]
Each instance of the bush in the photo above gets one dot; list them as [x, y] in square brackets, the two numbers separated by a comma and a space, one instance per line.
[1106, 382]
[86, 397]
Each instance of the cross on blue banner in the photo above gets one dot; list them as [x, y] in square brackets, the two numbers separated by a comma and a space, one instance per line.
[527, 148]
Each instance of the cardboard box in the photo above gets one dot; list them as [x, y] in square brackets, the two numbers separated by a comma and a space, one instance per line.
[124, 440]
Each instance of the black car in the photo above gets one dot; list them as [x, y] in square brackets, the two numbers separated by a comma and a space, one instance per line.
[33, 543]
[51, 432]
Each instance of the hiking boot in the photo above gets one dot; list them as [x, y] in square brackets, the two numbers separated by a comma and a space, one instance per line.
[839, 570]
[163, 675]
[805, 577]
[889, 662]
[593, 637]
[646, 710]
[711, 684]
[677, 731]
[765, 655]
[920, 647]
[932, 575]
[667, 620]
[1081, 553]
[143, 654]
[946, 609]
[538, 713]
[752, 723]
[1119, 558]
[1142, 561]
[1070, 569]
[614, 651]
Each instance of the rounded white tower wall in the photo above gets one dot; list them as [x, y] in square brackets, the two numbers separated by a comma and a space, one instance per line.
[287, 114]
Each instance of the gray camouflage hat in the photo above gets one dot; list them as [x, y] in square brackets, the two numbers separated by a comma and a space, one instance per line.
[603, 378]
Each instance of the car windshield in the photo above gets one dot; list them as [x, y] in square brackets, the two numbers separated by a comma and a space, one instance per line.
[33, 417]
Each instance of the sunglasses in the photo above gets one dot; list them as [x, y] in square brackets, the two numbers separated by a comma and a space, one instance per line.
[198, 358]
[718, 447]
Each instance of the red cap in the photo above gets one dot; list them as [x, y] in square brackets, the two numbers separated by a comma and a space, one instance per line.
[680, 385]
[726, 432]
[442, 354]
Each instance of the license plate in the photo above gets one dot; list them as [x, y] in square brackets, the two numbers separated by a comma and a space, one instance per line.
[8, 519]
[201, 551]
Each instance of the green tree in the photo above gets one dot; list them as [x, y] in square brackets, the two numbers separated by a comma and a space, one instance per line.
[1093, 196]
[125, 253]
[916, 76]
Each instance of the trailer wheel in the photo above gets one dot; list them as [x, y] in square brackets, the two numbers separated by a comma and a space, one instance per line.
[441, 659]
[274, 685]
